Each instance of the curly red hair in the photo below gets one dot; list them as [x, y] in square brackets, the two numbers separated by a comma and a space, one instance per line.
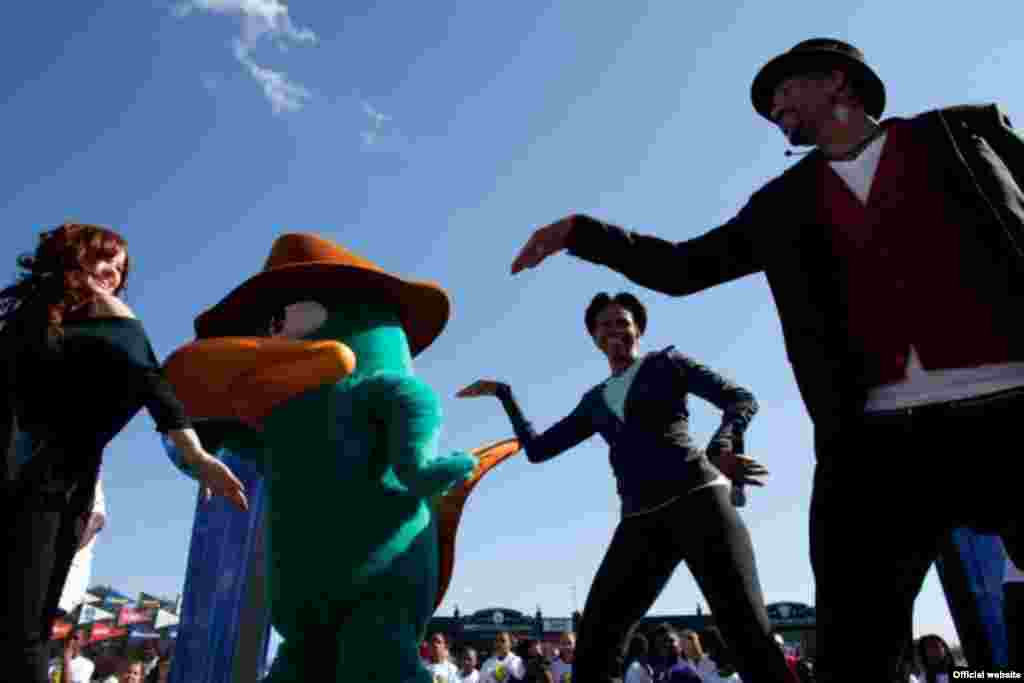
[52, 274]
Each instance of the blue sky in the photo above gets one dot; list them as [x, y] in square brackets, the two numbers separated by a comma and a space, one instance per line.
[432, 138]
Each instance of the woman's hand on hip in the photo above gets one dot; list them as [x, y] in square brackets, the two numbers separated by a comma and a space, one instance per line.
[741, 469]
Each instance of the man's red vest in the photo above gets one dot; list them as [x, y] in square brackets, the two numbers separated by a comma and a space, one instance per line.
[907, 282]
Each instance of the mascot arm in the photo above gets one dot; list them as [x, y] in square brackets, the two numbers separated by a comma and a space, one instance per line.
[410, 411]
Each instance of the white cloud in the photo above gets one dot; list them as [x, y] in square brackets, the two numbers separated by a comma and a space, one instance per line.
[377, 120]
[261, 20]
[283, 94]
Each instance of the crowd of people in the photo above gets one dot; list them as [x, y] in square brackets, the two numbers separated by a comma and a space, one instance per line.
[75, 660]
[665, 655]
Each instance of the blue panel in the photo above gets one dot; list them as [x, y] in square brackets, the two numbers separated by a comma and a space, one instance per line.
[215, 582]
[971, 569]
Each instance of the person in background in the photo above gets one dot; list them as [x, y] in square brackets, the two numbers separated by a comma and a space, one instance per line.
[661, 658]
[439, 663]
[468, 672]
[75, 367]
[791, 659]
[936, 660]
[504, 665]
[718, 653]
[536, 667]
[693, 650]
[130, 672]
[638, 668]
[679, 670]
[73, 666]
[561, 667]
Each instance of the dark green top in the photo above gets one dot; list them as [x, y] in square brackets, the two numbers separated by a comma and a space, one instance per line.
[78, 390]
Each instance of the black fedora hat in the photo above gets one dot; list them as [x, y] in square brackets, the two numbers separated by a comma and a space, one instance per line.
[814, 55]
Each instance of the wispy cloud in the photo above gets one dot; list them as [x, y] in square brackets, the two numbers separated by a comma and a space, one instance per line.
[261, 20]
[376, 123]
[284, 95]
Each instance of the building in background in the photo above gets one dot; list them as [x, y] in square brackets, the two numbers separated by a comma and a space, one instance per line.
[794, 621]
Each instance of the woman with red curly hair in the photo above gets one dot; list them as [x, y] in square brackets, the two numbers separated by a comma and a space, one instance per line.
[76, 367]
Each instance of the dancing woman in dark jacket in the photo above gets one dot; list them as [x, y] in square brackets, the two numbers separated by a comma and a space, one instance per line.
[675, 499]
[76, 367]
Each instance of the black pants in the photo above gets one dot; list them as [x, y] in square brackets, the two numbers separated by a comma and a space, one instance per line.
[40, 536]
[887, 491]
[704, 530]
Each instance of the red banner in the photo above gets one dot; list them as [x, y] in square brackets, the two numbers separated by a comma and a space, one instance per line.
[101, 631]
[129, 615]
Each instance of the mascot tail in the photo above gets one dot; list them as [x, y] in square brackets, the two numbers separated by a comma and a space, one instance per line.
[449, 507]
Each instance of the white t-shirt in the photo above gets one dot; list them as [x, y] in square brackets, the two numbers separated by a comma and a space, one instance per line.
[81, 564]
[81, 669]
[472, 677]
[497, 670]
[443, 672]
[561, 671]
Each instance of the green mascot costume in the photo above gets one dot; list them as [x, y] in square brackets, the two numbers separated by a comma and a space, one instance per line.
[309, 364]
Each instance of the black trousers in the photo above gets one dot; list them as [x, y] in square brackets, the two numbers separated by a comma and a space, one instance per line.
[704, 530]
[41, 532]
[887, 491]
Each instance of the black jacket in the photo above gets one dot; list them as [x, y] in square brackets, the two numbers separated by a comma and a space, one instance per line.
[978, 159]
[652, 454]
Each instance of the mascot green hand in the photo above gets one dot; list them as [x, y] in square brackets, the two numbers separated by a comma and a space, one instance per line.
[347, 437]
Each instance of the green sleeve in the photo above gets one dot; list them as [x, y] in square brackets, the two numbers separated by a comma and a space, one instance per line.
[410, 413]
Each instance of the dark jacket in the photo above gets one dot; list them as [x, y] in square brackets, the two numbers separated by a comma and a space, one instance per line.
[652, 453]
[978, 159]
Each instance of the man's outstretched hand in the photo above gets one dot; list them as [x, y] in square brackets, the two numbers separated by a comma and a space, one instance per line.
[544, 242]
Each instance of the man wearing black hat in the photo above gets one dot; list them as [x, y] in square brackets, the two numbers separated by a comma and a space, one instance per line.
[895, 254]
